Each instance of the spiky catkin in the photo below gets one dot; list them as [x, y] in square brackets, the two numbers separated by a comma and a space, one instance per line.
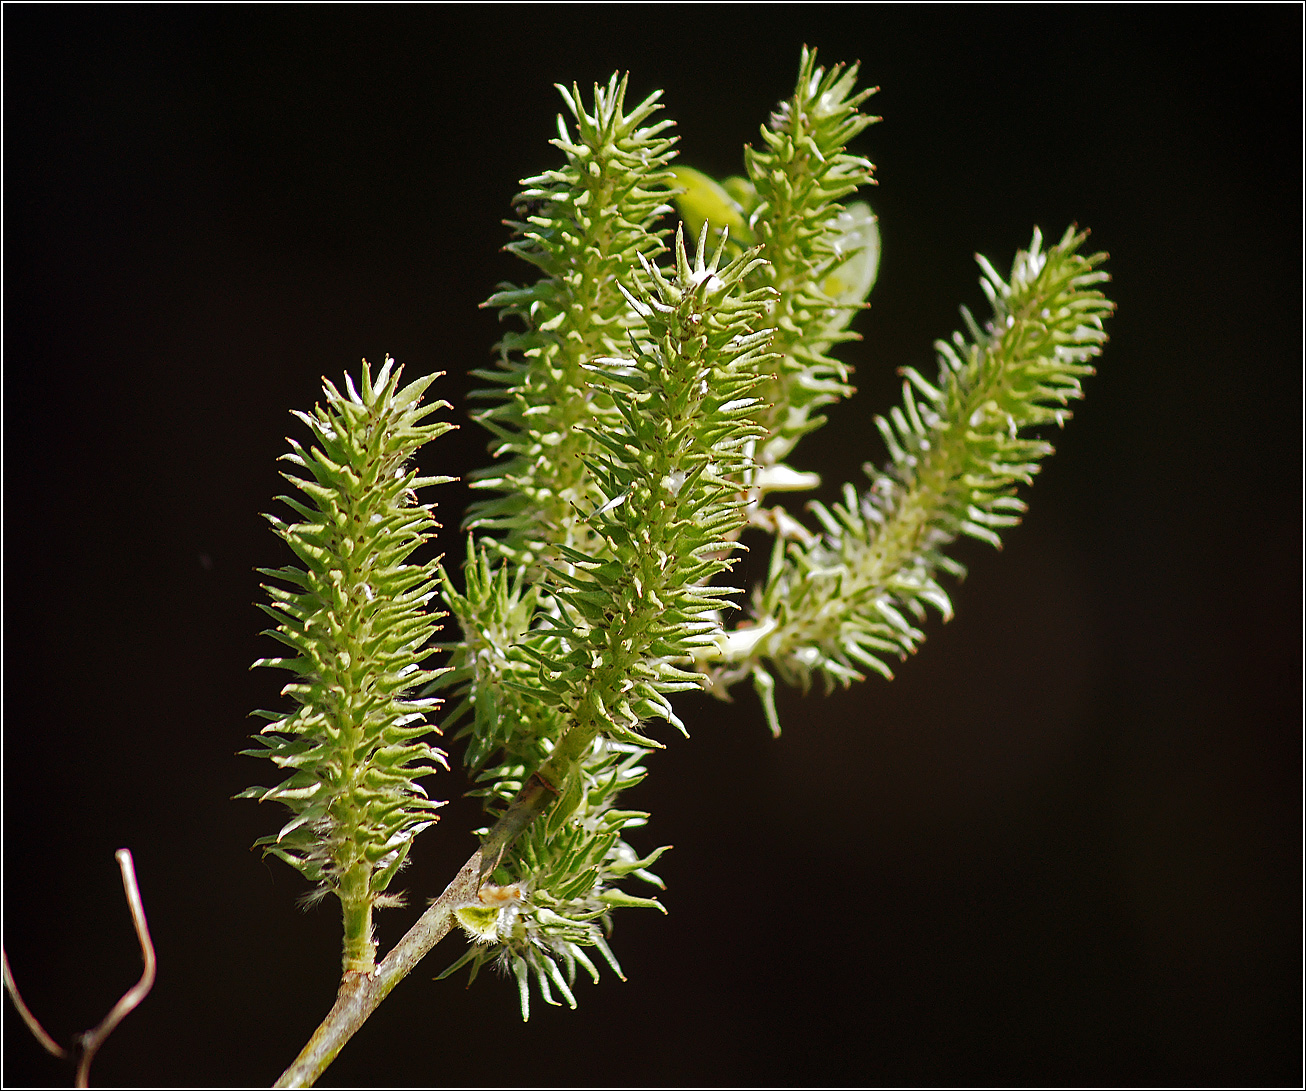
[490, 670]
[670, 476]
[584, 227]
[628, 619]
[850, 599]
[665, 476]
[565, 872]
[800, 174]
[354, 620]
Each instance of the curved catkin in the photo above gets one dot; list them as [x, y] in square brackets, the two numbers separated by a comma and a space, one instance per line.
[958, 447]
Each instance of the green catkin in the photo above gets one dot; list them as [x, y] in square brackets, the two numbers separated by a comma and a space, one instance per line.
[354, 620]
[852, 598]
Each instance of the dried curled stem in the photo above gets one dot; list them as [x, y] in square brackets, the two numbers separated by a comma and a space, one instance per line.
[87, 1045]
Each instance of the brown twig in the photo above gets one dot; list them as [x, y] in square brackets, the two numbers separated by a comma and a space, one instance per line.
[89, 1043]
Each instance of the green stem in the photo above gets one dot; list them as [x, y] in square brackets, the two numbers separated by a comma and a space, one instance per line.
[356, 901]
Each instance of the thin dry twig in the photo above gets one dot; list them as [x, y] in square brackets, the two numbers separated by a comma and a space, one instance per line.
[38, 1031]
[89, 1043]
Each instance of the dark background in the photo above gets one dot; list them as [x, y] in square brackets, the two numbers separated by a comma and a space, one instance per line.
[1063, 847]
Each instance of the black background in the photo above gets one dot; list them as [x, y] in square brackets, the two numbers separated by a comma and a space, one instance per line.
[1062, 847]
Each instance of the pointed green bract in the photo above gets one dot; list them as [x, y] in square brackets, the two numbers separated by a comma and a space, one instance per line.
[354, 621]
